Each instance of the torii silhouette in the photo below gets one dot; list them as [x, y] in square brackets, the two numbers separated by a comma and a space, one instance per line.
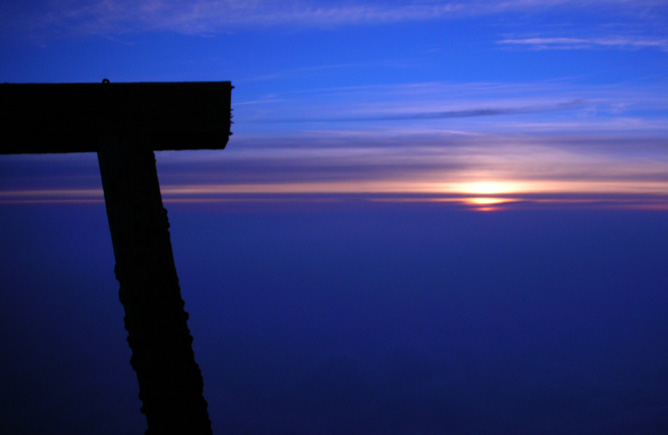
[124, 123]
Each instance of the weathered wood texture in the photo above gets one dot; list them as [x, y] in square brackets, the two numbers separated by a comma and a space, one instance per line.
[170, 381]
[69, 117]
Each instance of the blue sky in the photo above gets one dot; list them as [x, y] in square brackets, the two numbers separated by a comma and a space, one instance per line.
[513, 97]
[432, 217]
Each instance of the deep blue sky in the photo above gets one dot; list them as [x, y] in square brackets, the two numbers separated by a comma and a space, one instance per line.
[432, 217]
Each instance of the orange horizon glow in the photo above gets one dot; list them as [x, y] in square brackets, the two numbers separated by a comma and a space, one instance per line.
[486, 201]
[482, 189]
[485, 195]
[463, 188]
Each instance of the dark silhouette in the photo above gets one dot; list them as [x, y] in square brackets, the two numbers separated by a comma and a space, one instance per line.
[124, 123]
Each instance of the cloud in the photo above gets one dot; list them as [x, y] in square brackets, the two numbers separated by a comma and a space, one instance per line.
[472, 107]
[353, 161]
[356, 162]
[568, 43]
[470, 113]
[218, 16]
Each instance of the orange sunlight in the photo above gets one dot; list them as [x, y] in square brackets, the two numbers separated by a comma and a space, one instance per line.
[487, 194]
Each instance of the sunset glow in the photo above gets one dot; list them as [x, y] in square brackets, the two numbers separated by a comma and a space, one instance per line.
[487, 201]
[476, 194]
[488, 188]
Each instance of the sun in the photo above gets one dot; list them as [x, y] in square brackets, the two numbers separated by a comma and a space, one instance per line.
[488, 188]
[487, 195]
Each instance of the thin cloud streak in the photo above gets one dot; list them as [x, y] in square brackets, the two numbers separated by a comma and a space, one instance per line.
[569, 43]
[442, 115]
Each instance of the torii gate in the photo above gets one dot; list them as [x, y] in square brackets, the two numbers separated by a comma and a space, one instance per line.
[124, 123]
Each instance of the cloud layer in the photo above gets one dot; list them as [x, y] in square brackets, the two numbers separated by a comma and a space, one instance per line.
[219, 16]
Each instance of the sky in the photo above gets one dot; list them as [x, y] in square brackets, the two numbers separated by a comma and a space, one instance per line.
[432, 217]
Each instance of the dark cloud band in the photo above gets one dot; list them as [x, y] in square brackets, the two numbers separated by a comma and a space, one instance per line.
[448, 114]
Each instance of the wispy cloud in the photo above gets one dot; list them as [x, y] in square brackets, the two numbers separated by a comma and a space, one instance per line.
[448, 114]
[219, 16]
[477, 107]
[568, 43]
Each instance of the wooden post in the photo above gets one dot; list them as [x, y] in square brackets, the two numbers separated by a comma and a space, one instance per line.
[170, 381]
[124, 123]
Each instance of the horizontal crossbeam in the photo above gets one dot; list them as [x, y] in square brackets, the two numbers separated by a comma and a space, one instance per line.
[71, 117]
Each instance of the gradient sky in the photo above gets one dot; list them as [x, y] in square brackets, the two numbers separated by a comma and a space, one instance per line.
[334, 249]
[433, 97]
